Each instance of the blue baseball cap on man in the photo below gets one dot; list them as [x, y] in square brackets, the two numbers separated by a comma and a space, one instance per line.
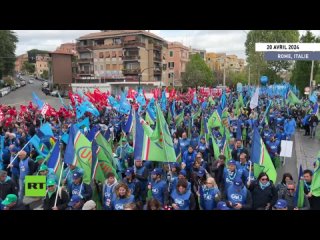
[129, 172]
[232, 162]
[74, 200]
[281, 204]
[156, 171]
[201, 172]
[222, 206]
[183, 173]
[77, 175]
[238, 182]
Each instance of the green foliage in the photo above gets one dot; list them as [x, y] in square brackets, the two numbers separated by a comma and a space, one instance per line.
[8, 41]
[33, 53]
[29, 67]
[45, 74]
[197, 73]
[256, 60]
[302, 69]
[8, 81]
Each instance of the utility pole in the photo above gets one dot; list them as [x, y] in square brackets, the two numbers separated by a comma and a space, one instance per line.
[224, 74]
[311, 76]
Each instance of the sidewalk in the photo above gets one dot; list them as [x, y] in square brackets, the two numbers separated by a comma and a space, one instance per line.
[304, 152]
[306, 149]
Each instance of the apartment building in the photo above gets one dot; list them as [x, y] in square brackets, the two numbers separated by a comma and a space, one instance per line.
[219, 61]
[42, 64]
[113, 56]
[177, 57]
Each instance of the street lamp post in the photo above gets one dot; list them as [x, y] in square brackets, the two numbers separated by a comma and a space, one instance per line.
[140, 75]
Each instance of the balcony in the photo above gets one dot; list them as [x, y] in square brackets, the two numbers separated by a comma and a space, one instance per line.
[157, 72]
[96, 47]
[133, 44]
[131, 58]
[131, 71]
[85, 60]
[157, 47]
[157, 59]
[84, 48]
[86, 72]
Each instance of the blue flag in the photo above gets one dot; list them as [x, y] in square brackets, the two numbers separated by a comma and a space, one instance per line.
[69, 155]
[127, 126]
[313, 98]
[92, 133]
[239, 130]
[54, 159]
[37, 101]
[163, 101]
[84, 123]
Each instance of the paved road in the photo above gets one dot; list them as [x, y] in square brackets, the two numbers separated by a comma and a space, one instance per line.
[305, 151]
[24, 94]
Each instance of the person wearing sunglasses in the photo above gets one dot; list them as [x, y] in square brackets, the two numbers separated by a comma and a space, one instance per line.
[289, 196]
[264, 193]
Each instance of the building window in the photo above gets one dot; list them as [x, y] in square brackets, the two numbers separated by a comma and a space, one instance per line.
[164, 67]
[101, 67]
[171, 53]
[171, 64]
[96, 67]
[101, 55]
[108, 67]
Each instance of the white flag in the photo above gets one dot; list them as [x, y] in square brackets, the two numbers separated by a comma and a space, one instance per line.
[254, 99]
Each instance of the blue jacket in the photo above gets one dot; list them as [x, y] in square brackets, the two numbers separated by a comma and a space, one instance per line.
[189, 158]
[273, 147]
[182, 200]
[229, 177]
[290, 127]
[236, 196]
[207, 197]
[118, 203]
[184, 144]
[108, 194]
[160, 191]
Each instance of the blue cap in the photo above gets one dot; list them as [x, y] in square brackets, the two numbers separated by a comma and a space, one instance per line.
[183, 172]
[201, 172]
[238, 182]
[156, 171]
[77, 174]
[74, 199]
[129, 172]
[222, 206]
[175, 165]
[281, 203]
[232, 162]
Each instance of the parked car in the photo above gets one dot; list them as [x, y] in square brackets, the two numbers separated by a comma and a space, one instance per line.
[23, 83]
[18, 85]
[30, 81]
[13, 88]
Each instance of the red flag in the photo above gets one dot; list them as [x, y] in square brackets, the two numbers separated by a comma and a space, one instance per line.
[1, 115]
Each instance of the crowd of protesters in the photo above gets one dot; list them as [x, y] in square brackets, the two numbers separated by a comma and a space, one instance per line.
[196, 181]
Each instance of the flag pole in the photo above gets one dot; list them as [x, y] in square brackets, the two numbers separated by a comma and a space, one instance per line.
[18, 153]
[248, 182]
[59, 188]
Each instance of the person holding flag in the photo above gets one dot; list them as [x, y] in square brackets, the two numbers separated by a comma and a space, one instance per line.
[264, 193]
[67, 175]
[48, 172]
[289, 196]
[50, 202]
[78, 187]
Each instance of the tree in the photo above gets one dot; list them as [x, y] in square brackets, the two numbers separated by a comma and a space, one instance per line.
[197, 73]
[32, 54]
[256, 60]
[45, 74]
[8, 41]
[29, 67]
[302, 69]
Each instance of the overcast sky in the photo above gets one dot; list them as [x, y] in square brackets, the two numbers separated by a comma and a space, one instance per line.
[228, 41]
